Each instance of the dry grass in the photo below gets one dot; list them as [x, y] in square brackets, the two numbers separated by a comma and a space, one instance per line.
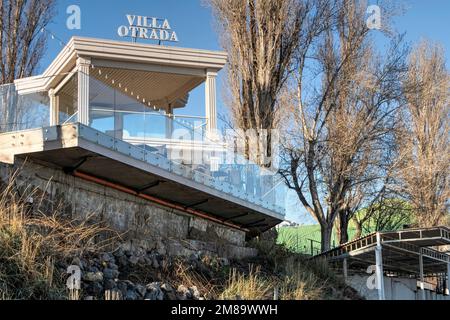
[31, 241]
[300, 283]
[296, 284]
[184, 275]
[253, 286]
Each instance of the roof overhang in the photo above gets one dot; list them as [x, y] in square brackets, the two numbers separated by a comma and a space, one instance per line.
[124, 55]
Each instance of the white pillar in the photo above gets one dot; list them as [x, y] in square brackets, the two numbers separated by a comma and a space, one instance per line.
[210, 100]
[422, 289]
[448, 279]
[379, 268]
[54, 107]
[83, 67]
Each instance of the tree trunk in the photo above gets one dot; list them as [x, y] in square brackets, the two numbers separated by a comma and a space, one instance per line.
[326, 233]
[358, 226]
[343, 227]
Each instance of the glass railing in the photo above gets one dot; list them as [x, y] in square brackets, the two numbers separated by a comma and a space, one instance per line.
[22, 111]
[244, 181]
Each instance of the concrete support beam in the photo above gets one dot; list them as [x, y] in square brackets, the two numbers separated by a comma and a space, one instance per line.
[210, 101]
[379, 268]
[83, 68]
[54, 107]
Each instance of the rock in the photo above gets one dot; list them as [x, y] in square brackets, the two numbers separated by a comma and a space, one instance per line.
[130, 285]
[154, 292]
[155, 263]
[169, 292]
[194, 293]
[183, 293]
[166, 287]
[141, 290]
[128, 253]
[113, 266]
[148, 261]
[142, 260]
[106, 257]
[134, 260]
[95, 289]
[110, 273]
[93, 269]
[224, 262]
[118, 253]
[110, 284]
[131, 295]
[123, 287]
[161, 248]
[122, 261]
[93, 276]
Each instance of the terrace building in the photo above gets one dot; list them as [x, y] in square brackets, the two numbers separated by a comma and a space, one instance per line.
[100, 130]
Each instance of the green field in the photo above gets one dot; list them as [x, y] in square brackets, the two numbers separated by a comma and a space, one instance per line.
[301, 238]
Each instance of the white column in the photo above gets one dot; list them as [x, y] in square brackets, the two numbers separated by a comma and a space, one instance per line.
[448, 279]
[210, 100]
[83, 67]
[422, 279]
[379, 268]
[54, 107]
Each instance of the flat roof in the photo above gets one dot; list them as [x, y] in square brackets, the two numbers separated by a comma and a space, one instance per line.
[400, 250]
[126, 55]
[89, 151]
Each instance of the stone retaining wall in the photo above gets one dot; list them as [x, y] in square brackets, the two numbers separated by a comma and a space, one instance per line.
[141, 222]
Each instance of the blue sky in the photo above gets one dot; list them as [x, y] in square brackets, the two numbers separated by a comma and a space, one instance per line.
[195, 29]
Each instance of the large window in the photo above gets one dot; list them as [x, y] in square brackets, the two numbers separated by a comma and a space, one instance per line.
[68, 101]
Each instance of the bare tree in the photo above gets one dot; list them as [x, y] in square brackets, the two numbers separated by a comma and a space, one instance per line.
[22, 43]
[338, 139]
[261, 38]
[385, 214]
[423, 139]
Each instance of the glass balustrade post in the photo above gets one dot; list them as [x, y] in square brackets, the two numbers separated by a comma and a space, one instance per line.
[169, 122]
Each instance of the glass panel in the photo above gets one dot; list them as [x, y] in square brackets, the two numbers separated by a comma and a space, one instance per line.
[23, 111]
[180, 145]
[68, 101]
[101, 107]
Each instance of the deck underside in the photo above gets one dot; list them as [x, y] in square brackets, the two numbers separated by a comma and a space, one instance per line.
[69, 149]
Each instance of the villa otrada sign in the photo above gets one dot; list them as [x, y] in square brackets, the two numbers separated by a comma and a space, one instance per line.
[150, 28]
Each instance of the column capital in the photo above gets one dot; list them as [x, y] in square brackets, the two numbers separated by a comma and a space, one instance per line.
[81, 61]
[211, 73]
